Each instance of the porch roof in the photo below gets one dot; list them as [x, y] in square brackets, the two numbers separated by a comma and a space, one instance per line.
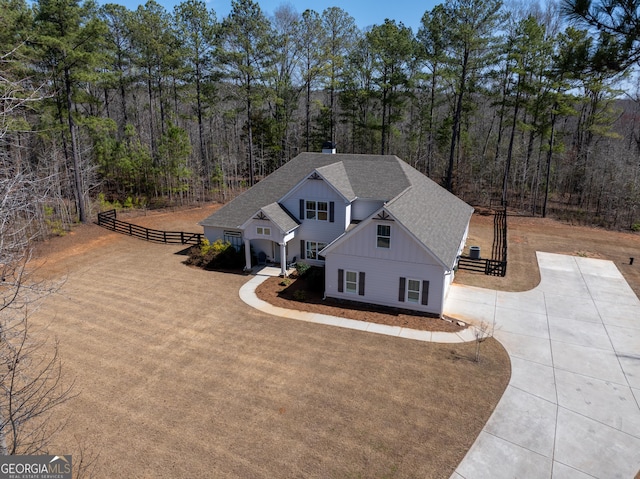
[281, 217]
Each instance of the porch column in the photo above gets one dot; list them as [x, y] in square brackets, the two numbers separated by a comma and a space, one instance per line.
[283, 258]
[247, 255]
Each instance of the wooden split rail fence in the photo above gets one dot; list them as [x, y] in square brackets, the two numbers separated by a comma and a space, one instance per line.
[107, 219]
[497, 264]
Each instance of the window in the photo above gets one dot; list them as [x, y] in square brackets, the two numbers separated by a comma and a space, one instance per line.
[233, 237]
[317, 210]
[312, 249]
[263, 231]
[323, 211]
[384, 236]
[413, 291]
[351, 282]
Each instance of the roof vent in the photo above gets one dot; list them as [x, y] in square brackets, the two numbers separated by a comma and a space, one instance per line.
[329, 148]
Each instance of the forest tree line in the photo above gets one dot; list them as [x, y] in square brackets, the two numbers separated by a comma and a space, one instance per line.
[500, 103]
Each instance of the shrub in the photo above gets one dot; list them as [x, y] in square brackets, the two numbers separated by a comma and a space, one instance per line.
[302, 268]
[217, 247]
[300, 295]
[227, 258]
[216, 255]
[635, 227]
[53, 222]
[285, 282]
[108, 205]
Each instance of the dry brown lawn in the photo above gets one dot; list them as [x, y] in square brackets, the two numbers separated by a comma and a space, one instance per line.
[177, 378]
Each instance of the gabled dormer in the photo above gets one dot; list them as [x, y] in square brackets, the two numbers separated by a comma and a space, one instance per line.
[383, 237]
[322, 202]
[272, 222]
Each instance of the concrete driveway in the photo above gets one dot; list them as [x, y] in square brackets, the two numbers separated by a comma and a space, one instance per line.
[571, 409]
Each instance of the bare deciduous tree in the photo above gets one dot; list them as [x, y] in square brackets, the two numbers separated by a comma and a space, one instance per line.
[31, 382]
[482, 332]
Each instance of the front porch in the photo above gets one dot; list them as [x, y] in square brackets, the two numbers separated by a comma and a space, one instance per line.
[273, 269]
[269, 254]
[266, 235]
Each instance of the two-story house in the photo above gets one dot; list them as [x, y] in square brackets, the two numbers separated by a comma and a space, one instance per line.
[385, 233]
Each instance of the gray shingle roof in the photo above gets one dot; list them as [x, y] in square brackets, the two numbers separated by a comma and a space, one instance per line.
[336, 174]
[370, 176]
[433, 215]
[281, 217]
[440, 220]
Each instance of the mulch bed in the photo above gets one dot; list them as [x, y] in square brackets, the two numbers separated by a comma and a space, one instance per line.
[277, 293]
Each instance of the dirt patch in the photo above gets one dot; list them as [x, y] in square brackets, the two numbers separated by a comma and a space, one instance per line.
[527, 235]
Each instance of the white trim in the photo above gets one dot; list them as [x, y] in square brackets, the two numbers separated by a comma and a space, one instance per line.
[316, 210]
[381, 236]
[247, 254]
[246, 224]
[407, 290]
[355, 282]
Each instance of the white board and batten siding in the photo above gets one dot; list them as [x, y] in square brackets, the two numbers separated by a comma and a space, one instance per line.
[312, 229]
[213, 233]
[383, 269]
[264, 243]
[403, 247]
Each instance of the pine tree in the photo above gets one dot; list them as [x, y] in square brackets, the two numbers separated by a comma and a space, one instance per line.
[245, 54]
[68, 42]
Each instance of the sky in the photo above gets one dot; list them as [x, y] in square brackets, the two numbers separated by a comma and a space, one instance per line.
[365, 12]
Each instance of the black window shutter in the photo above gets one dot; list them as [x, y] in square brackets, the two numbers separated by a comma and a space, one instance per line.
[361, 283]
[425, 293]
[401, 289]
[302, 248]
[340, 281]
[332, 211]
[301, 209]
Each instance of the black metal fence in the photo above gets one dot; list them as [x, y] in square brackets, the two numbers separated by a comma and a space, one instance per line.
[107, 219]
[497, 264]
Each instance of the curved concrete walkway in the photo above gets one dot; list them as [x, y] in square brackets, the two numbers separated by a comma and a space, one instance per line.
[247, 294]
[571, 409]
